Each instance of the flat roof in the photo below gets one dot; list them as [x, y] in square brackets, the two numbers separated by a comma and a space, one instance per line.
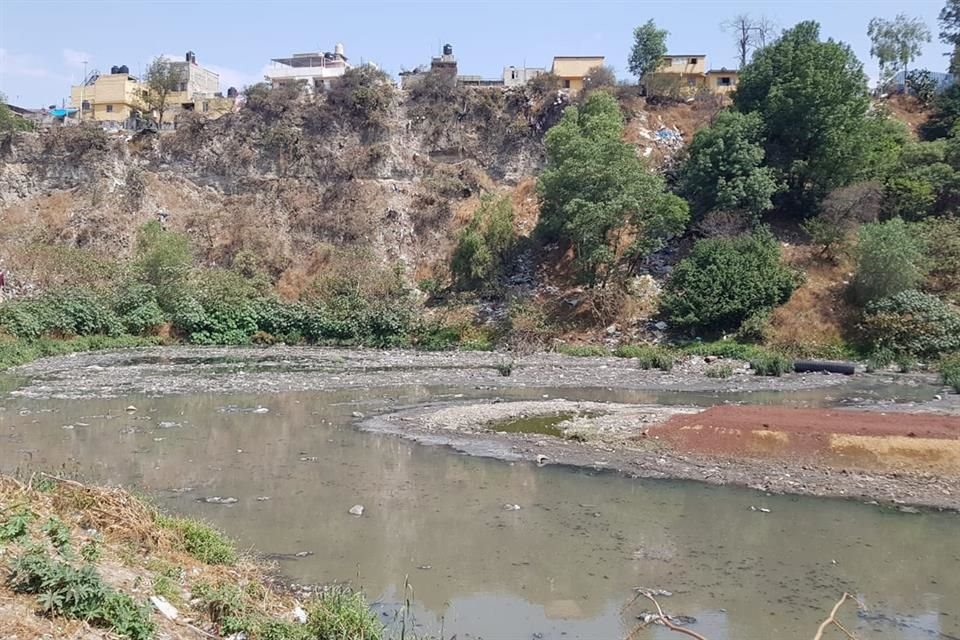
[578, 57]
[723, 71]
[684, 55]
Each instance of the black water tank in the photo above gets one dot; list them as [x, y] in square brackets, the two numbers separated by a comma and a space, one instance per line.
[114, 69]
[232, 92]
[448, 49]
[189, 56]
[123, 69]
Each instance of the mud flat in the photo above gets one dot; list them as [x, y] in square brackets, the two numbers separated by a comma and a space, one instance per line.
[902, 459]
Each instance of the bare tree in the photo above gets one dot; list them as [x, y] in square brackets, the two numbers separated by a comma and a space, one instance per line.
[749, 34]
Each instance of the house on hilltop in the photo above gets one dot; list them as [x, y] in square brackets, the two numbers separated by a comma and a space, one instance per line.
[686, 75]
[314, 70]
[572, 70]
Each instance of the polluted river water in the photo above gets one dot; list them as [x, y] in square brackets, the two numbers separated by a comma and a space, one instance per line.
[564, 564]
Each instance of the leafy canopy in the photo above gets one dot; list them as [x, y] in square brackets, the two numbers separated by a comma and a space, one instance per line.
[161, 79]
[812, 98]
[594, 187]
[896, 43]
[649, 45]
[724, 168]
[890, 259]
[725, 281]
[484, 244]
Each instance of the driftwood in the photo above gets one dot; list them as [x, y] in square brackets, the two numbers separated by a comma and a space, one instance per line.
[663, 619]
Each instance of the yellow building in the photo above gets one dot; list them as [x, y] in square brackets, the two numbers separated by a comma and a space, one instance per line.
[107, 97]
[685, 75]
[571, 70]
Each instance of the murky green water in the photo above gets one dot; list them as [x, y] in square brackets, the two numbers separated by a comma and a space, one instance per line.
[562, 566]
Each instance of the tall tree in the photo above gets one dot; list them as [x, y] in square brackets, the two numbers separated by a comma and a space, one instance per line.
[896, 43]
[812, 98]
[649, 46]
[749, 34]
[724, 168]
[161, 79]
[950, 32]
[595, 192]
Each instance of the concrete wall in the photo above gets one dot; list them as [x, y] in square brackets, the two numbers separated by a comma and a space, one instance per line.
[517, 76]
[116, 92]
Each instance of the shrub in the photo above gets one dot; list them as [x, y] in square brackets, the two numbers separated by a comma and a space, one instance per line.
[483, 246]
[719, 371]
[942, 241]
[138, 309]
[726, 280]
[950, 371]
[505, 368]
[889, 260]
[582, 350]
[60, 313]
[880, 359]
[912, 323]
[163, 259]
[647, 356]
[771, 364]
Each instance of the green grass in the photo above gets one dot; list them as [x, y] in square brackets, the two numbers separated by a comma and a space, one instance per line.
[582, 350]
[647, 356]
[725, 349]
[17, 352]
[200, 540]
[771, 364]
[950, 371]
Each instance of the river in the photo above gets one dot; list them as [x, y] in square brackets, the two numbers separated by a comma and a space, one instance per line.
[563, 565]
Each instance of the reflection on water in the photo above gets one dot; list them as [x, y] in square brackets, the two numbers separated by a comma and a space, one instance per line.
[563, 565]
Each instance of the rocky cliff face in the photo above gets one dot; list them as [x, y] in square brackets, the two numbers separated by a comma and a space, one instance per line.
[392, 173]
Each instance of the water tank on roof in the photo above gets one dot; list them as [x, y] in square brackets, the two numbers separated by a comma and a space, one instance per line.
[123, 69]
[232, 92]
[338, 49]
[190, 57]
[448, 49]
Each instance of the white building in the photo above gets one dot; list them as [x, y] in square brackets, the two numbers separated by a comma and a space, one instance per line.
[315, 70]
[516, 76]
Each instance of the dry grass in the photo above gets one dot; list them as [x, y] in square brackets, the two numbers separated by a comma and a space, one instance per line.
[813, 318]
[907, 109]
[136, 548]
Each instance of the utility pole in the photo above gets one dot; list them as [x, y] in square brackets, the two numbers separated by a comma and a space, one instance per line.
[83, 89]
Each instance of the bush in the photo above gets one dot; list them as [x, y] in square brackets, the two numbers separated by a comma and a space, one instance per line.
[484, 245]
[342, 613]
[719, 371]
[582, 350]
[724, 281]
[771, 364]
[647, 356]
[950, 371]
[911, 323]
[138, 309]
[889, 260]
[60, 313]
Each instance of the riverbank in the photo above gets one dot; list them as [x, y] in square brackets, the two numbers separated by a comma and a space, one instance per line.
[908, 460]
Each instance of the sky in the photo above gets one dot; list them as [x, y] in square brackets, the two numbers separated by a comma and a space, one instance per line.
[43, 43]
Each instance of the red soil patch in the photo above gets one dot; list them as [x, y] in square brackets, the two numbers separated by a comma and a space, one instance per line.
[833, 437]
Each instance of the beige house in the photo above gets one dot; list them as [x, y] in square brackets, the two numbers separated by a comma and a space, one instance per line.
[109, 97]
[571, 70]
[686, 75]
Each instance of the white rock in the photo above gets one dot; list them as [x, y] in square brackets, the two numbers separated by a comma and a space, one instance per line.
[131, 409]
[661, 326]
[168, 610]
[542, 459]
[299, 614]
[356, 510]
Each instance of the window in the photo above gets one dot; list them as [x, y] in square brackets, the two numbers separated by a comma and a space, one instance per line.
[513, 74]
[206, 106]
[566, 84]
[693, 61]
[109, 108]
[725, 81]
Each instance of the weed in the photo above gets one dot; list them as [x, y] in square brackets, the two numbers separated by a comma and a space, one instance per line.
[582, 350]
[950, 371]
[647, 356]
[906, 363]
[90, 551]
[15, 527]
[164, 586]
[771, 364]
[880, 359]
[58, 533]
[342, 613]
[200, 540]
[719, 371]
[505, 368]
[224, 602]
[62, 589]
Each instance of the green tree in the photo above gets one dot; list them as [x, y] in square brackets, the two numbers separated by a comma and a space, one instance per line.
[160, 80]
[594, 190]
[163, 260]
[724, 167]
[649, 45]
[484, 244]
[812, 98]
[889, 260]
[950, 32]
[896, 43]
[9, 121]
[725, 281]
